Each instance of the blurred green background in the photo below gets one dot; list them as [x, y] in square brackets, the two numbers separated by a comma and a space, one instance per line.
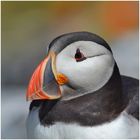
[29, 27]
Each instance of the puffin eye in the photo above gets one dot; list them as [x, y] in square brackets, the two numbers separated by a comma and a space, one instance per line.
[79, 56]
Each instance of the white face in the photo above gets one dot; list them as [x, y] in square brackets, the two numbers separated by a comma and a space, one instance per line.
[90, 74]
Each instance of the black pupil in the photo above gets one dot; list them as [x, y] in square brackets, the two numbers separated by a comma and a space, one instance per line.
[78, 54]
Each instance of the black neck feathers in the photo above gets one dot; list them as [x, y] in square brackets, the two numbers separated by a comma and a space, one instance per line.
[94, 108]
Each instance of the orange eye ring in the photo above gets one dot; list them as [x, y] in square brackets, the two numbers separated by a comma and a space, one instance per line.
[79, 56]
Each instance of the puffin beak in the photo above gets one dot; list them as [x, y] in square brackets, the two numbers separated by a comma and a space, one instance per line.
[45, 82]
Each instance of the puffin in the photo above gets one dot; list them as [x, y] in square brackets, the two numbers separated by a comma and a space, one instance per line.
[77, 92]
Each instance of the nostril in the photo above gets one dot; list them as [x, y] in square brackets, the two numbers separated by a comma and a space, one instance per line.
[79, 56]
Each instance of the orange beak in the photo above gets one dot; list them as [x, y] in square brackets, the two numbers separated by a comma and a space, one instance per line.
[45, 81]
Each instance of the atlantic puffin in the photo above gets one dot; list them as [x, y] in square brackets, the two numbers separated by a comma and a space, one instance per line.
[77, 92]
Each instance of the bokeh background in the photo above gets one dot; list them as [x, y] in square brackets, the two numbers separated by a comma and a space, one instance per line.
[29, 27]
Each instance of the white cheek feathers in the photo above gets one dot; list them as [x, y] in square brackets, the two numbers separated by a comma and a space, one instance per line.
[90, 74]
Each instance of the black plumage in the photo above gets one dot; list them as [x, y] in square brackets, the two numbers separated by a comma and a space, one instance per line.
[95, 108]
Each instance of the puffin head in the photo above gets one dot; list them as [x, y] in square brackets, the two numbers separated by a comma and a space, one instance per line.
[76, 64]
